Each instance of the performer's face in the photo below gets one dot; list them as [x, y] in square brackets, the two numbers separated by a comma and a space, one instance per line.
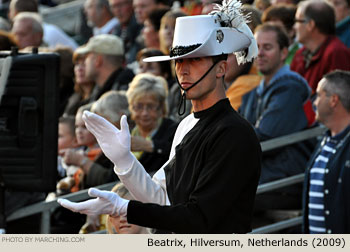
[191, 70]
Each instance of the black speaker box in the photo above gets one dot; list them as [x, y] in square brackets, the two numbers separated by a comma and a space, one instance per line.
[28, 120]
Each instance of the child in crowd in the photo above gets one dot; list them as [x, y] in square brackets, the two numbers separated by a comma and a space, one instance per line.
[78, 158]
[66, 133]
[66, 140]
[84, 137]
[119, 224]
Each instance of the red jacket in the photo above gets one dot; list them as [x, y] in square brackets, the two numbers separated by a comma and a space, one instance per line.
[332, 55]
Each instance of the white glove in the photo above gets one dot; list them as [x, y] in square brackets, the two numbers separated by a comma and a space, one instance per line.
[106, 203]
[114, 143]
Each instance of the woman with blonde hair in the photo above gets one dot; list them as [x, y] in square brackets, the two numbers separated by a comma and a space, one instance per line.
[153, 132]
[166, 31]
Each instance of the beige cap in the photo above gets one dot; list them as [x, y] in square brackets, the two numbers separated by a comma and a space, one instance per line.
[103, 44]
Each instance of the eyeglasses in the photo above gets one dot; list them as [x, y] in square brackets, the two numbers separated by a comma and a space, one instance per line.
[148, 107]
[301, 20]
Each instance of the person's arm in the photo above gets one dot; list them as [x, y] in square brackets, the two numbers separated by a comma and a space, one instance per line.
[147, 189]
[153, 190]
[283, 114]
[115, 144]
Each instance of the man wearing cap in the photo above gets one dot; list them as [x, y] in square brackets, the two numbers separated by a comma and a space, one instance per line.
[104, 64]
[208, 184]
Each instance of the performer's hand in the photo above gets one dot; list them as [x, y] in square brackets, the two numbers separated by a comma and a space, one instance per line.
[106, 203]
[114, 143]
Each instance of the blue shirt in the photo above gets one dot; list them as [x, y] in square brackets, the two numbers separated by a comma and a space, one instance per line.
[343, 31]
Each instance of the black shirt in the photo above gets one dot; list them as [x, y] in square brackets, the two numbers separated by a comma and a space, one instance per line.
[212, 179]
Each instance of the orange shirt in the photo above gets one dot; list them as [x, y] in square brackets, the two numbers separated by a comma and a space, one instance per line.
[242, 85]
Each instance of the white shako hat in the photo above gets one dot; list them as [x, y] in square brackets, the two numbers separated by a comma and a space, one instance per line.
[223, 31]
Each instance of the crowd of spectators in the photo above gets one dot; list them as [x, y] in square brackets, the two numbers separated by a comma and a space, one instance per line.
[285, 90]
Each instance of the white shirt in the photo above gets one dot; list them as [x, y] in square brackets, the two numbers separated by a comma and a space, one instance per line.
[53, 36]
[153, 190]
[107, 28]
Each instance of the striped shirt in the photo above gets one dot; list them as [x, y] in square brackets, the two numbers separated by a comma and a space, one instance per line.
[316, 215]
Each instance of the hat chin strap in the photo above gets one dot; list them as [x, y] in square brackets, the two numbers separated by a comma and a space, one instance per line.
[183, 97]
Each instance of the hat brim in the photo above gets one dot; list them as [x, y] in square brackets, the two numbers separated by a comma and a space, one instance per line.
[82, 50]
[233, 41]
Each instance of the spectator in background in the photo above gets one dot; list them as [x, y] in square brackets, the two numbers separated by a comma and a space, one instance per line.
[119, 224]
[100, 17]
[104, 59]
[275, 108]
[82, 87]
[143, 8]
[27, 30]
[322, 51]
[77, 161]
[66, 140]
[342, 18]
[156, 68]
[66, 133]
[151, 28]
[127, 29]
[284, 15]
[94, 168]
[52, 35]
[166, 30]
[326, 205]
[153, 133]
